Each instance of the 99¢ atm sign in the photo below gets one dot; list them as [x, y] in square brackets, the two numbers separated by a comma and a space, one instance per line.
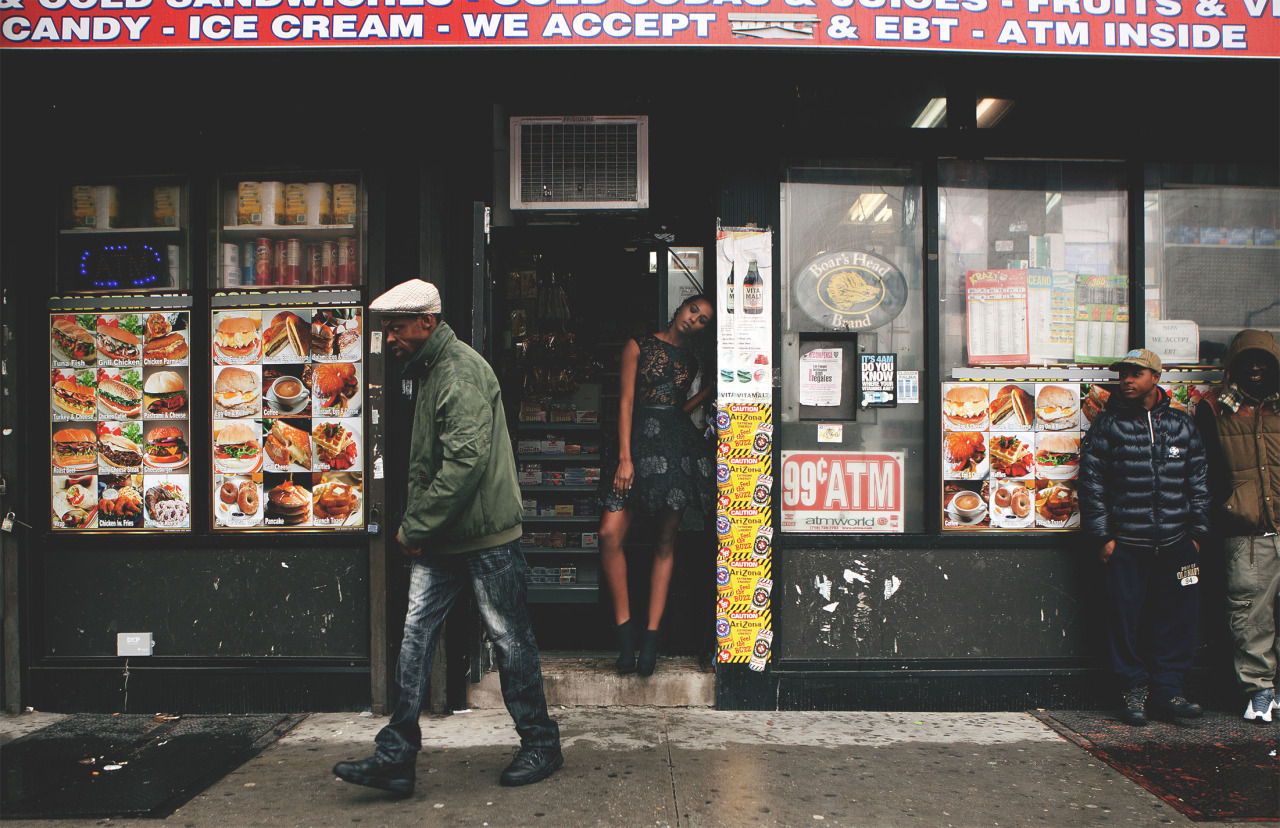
[842, 491]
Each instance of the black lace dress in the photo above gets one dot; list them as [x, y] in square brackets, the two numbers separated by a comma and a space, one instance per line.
[673, 466]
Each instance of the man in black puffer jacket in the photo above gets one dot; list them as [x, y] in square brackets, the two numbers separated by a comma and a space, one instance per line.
[1144, 500]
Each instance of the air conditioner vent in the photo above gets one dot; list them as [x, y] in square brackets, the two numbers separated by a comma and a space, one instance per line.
[583, 163]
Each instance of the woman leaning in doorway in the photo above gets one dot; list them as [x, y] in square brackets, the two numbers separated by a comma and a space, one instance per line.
[661, 467]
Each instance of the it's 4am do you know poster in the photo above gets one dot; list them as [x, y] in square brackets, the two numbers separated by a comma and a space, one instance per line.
[842, 491]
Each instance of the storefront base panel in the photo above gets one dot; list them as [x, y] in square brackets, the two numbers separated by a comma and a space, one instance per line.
[942, 690]
[298, 689]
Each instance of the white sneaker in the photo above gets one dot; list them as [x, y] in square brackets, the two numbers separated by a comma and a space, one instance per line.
[1261, 705]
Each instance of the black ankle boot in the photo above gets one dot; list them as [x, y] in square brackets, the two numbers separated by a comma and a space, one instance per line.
[626, 632]
[648, 653]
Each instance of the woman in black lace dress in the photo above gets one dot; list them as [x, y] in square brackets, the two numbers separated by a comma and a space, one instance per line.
[661, 467]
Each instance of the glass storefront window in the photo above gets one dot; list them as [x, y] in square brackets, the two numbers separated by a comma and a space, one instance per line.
[1212, 258]
[1033, 267]
[852, 350]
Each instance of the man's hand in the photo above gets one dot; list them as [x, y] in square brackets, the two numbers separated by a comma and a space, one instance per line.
[1106, 551]
[412, 553]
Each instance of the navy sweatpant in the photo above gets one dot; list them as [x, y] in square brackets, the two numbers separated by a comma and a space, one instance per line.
[1151, 615]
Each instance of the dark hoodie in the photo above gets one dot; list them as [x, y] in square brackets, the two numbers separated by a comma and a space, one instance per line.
[1143, 476]
[1242, 438]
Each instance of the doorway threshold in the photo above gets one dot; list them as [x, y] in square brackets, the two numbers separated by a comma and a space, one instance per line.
[588, 679]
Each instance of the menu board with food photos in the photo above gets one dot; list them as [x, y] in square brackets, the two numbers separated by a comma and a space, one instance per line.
[120, 420]
[1011, 453]
[287, 426]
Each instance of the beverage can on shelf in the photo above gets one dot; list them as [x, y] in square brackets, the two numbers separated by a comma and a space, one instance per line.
[261, 262]
[277, 262]
[328, 263]
[165, 205]
[246, 262]
[249, 202]
[311, 264]
[348, 266]
[346, 203]
[319, 203]
[295, 204]
[291, 270]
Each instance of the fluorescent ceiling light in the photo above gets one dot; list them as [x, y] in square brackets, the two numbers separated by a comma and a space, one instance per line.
[991, 111]
[866, 206]
[933, 114]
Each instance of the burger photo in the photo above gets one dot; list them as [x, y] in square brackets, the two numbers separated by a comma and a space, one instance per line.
[1093, 401]
[116, 396]
[1012, 408]
[164, 394]
[288, 504]
[73, 341]
[117, 344]
[235, 393]
[74, 448]
[237, 337]
[119, 451]
[70, 396]
[1056, 408]
[236, 449]
[965, 407]
[1057, 455]
[1056, 505]
[1010, 456]
[165, 448]
[171, 347]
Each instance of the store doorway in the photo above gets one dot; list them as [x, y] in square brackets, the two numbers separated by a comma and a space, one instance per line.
[565, 299]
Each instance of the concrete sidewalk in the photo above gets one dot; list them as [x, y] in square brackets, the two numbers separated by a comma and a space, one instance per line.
[691, 768]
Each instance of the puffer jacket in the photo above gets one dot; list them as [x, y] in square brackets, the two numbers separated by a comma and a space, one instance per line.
[1143, 476]
[463, 492]
[1242, 438]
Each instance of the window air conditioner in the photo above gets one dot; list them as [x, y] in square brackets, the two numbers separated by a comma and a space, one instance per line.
[580, 163]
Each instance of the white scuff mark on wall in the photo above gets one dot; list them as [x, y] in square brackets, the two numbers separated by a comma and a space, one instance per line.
[891, 585]
[285, 565]
[946, 577]
[850, 576]
[216, 581]
[826, 628]
[1042, 614]
[832, 606]
[895, 646]
[823, 584]
[798, 590]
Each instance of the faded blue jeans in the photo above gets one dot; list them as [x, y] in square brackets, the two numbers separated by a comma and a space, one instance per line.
[497, 577]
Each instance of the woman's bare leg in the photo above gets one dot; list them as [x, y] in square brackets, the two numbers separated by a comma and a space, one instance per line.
[664, 557]
[613, 560]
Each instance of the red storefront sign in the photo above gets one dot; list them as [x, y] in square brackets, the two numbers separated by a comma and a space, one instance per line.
[1191, 28]
[842, 491]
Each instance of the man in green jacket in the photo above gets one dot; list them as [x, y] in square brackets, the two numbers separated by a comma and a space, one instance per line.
[462, 527]
[1240, 424]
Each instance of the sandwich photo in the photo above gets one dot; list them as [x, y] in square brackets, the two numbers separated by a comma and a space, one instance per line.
[75, 503]
[72, 341]
[165, 447]
[1010, 456]
[334, 384]
[73, 397]
[237, 337]
[1057, 455]
[334, 333]
[1057, 506]
[164, 393]
[74, 448]
[170, 347]
[1012, 407]
[117, 344]
[236, 449]
[235, 393]
[335, 446]
[157, 325]
[288, 504]
[1093, 400]
[966, 453]
[119, 451]
[119, 397]
[965, 406]
[1056, 408]
[287, 444]
[285, 336]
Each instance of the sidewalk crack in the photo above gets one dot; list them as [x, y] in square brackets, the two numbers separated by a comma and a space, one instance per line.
[671, 770]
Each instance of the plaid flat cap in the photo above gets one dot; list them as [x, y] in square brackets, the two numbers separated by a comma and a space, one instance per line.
[413, 296]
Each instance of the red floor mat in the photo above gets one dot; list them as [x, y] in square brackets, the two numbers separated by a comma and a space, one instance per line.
[1219, 768]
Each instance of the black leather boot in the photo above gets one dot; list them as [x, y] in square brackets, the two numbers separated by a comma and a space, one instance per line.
[626, 632]
[648, 653]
